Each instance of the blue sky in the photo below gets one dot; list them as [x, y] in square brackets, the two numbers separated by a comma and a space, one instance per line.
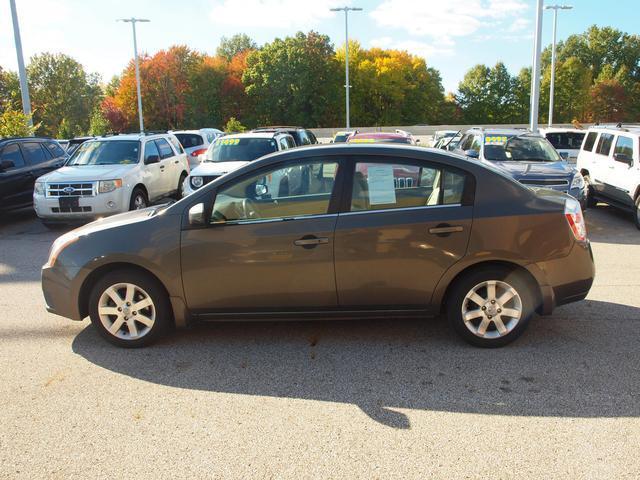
[452, 35]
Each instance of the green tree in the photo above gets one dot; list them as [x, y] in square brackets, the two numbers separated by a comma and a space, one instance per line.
[98, 125]
[14, 123]
[234, 126]
[473, 92]
[230, 47]
[9, 91]
[572, 86]
[295, 80]
[522, 95]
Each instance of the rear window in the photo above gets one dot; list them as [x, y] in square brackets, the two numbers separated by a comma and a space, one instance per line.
[604, 144]
[624, 145]
[590, 141]
[245, 149]
[566, 140]
[189, 140]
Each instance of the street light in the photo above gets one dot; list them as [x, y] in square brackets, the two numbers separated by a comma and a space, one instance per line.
[555, 9]
[24, 86]
[133, 22]
[535, 71]
[346, 56]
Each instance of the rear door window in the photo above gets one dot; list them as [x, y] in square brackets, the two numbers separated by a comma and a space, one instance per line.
[624, 145]
[604, 144]
[164, 148]
[34, 153]
[11, 153]
[590, 141]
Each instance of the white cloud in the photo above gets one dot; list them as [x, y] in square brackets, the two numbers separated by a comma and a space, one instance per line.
[273, 14]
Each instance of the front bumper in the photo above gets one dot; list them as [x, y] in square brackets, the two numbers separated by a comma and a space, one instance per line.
[58, 292]
[101, 205]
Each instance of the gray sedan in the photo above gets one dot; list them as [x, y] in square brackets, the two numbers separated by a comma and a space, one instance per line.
[359, 231]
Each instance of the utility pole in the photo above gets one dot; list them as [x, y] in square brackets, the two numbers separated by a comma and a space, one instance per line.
[346, 56]
[555, 9]
[133, 22]
[24, 85]
[535, 72]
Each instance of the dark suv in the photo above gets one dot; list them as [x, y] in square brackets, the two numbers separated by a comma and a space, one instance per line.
[22, 160]
[301, 135]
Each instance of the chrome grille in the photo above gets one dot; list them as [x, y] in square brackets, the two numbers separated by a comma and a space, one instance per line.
[75, 189]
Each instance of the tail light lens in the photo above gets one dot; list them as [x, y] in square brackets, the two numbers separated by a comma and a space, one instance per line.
[195, 153]
[573, 214]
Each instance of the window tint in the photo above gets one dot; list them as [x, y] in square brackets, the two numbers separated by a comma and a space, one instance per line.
[293, 191]
[566, 140]
[290, 142]
[11, 153]
[604, 144]
[151, 149]
[54, 149]
[465, 143]
[476, 144]
[312, 137]
[283, 143]
[164, 148]
[34, 153]
[590, 141]
[624, 145]
[189, 140]
[379, 186]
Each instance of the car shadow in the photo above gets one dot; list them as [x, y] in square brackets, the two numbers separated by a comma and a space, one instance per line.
[606, 224]
[581, 362]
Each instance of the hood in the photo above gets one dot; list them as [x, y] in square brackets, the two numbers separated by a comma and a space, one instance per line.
[87, 173]
[536, 169]
[208, 169]
[115, 221]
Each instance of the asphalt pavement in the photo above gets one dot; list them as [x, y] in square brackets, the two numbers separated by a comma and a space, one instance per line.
[340, 399]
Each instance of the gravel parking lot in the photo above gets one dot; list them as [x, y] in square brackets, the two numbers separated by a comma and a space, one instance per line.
[358, 399]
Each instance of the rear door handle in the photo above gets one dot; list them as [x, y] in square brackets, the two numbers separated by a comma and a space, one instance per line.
[310, 241]
[445, 229]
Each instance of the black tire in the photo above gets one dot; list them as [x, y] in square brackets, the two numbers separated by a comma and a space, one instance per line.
[150, 286]
[636, 215]
[591, 201]
[183, 177]
[464, 285]
[138, 195]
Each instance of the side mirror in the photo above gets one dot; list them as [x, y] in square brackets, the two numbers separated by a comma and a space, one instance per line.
[623, 157]
[196, 215]
[151, 159]
[472, 154]
[6, 165]
[261, 190]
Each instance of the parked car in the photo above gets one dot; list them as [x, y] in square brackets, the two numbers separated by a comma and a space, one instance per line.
[440, 134]
[64, 144]
[301, 136]
[398, 136]
[22, 160]
[527, 157]
[343, 135]
[196, 142]
[234, 151]
[75, 143]
[110, 175]
[609, 160]
[466, 240]
[566, 141]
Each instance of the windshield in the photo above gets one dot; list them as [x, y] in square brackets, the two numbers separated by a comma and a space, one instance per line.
[241, 149]
[113, 152]
[504, 148]
[566, 140]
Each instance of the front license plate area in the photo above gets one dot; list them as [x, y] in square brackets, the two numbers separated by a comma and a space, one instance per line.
[69, 203]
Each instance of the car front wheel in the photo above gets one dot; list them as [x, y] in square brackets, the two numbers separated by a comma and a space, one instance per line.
[138, 199]
[637, 216]
[490, 307]
[129, 308]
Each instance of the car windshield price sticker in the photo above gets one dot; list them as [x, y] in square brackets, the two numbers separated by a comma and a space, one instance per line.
[228, 141]
[381, 188]
[495, 140]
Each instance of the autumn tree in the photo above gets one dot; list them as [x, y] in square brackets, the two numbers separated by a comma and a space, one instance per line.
[239, 43]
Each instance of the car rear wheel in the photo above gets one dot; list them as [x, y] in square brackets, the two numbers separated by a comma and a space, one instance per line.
[490, 307]
[129, 308]
[138, 199]
[591, 201]
[183, 177]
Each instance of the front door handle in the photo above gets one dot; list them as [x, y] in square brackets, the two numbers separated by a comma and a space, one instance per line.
[310, 241]
[445, 229]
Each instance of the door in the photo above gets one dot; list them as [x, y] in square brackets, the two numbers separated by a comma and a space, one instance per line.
[265, 251]
[154, 176]
[16, 179]
[602, 160]
[169, 166]
[622, 178]
[40, 158]
[407, 223]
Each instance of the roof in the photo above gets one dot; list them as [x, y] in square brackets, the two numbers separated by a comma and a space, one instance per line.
[283, 127]
[379, 135]
[562, 130]
[504, 131]
[253, 134]
[635, 129]
[24, 138]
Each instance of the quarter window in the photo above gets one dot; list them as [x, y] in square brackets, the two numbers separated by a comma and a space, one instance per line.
[11, 153]
[624, 145]
[381, 186]
[604, 144]
[164, 148]
[287, 192]
[590, 141]
[54, 149]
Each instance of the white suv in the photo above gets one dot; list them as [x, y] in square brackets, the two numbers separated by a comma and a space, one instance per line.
[111, 175]
[609, 160]
[233, 151]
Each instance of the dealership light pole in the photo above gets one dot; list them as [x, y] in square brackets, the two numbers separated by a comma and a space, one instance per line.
[555, 9]
[346, 55]
[133, 22]
[24, 86]
[535, 71]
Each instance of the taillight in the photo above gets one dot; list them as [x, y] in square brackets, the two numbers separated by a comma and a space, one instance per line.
[573, 214]
[195, 153]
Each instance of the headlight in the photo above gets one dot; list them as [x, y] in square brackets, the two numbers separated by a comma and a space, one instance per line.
[38, 188]
[196, 182]
[59, 245]
[578, 181]
[106, 186]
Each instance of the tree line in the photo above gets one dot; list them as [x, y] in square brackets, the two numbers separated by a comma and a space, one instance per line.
[299, 80]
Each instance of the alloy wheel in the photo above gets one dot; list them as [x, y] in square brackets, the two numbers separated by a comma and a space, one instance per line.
[126, 311]
[492, 309]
